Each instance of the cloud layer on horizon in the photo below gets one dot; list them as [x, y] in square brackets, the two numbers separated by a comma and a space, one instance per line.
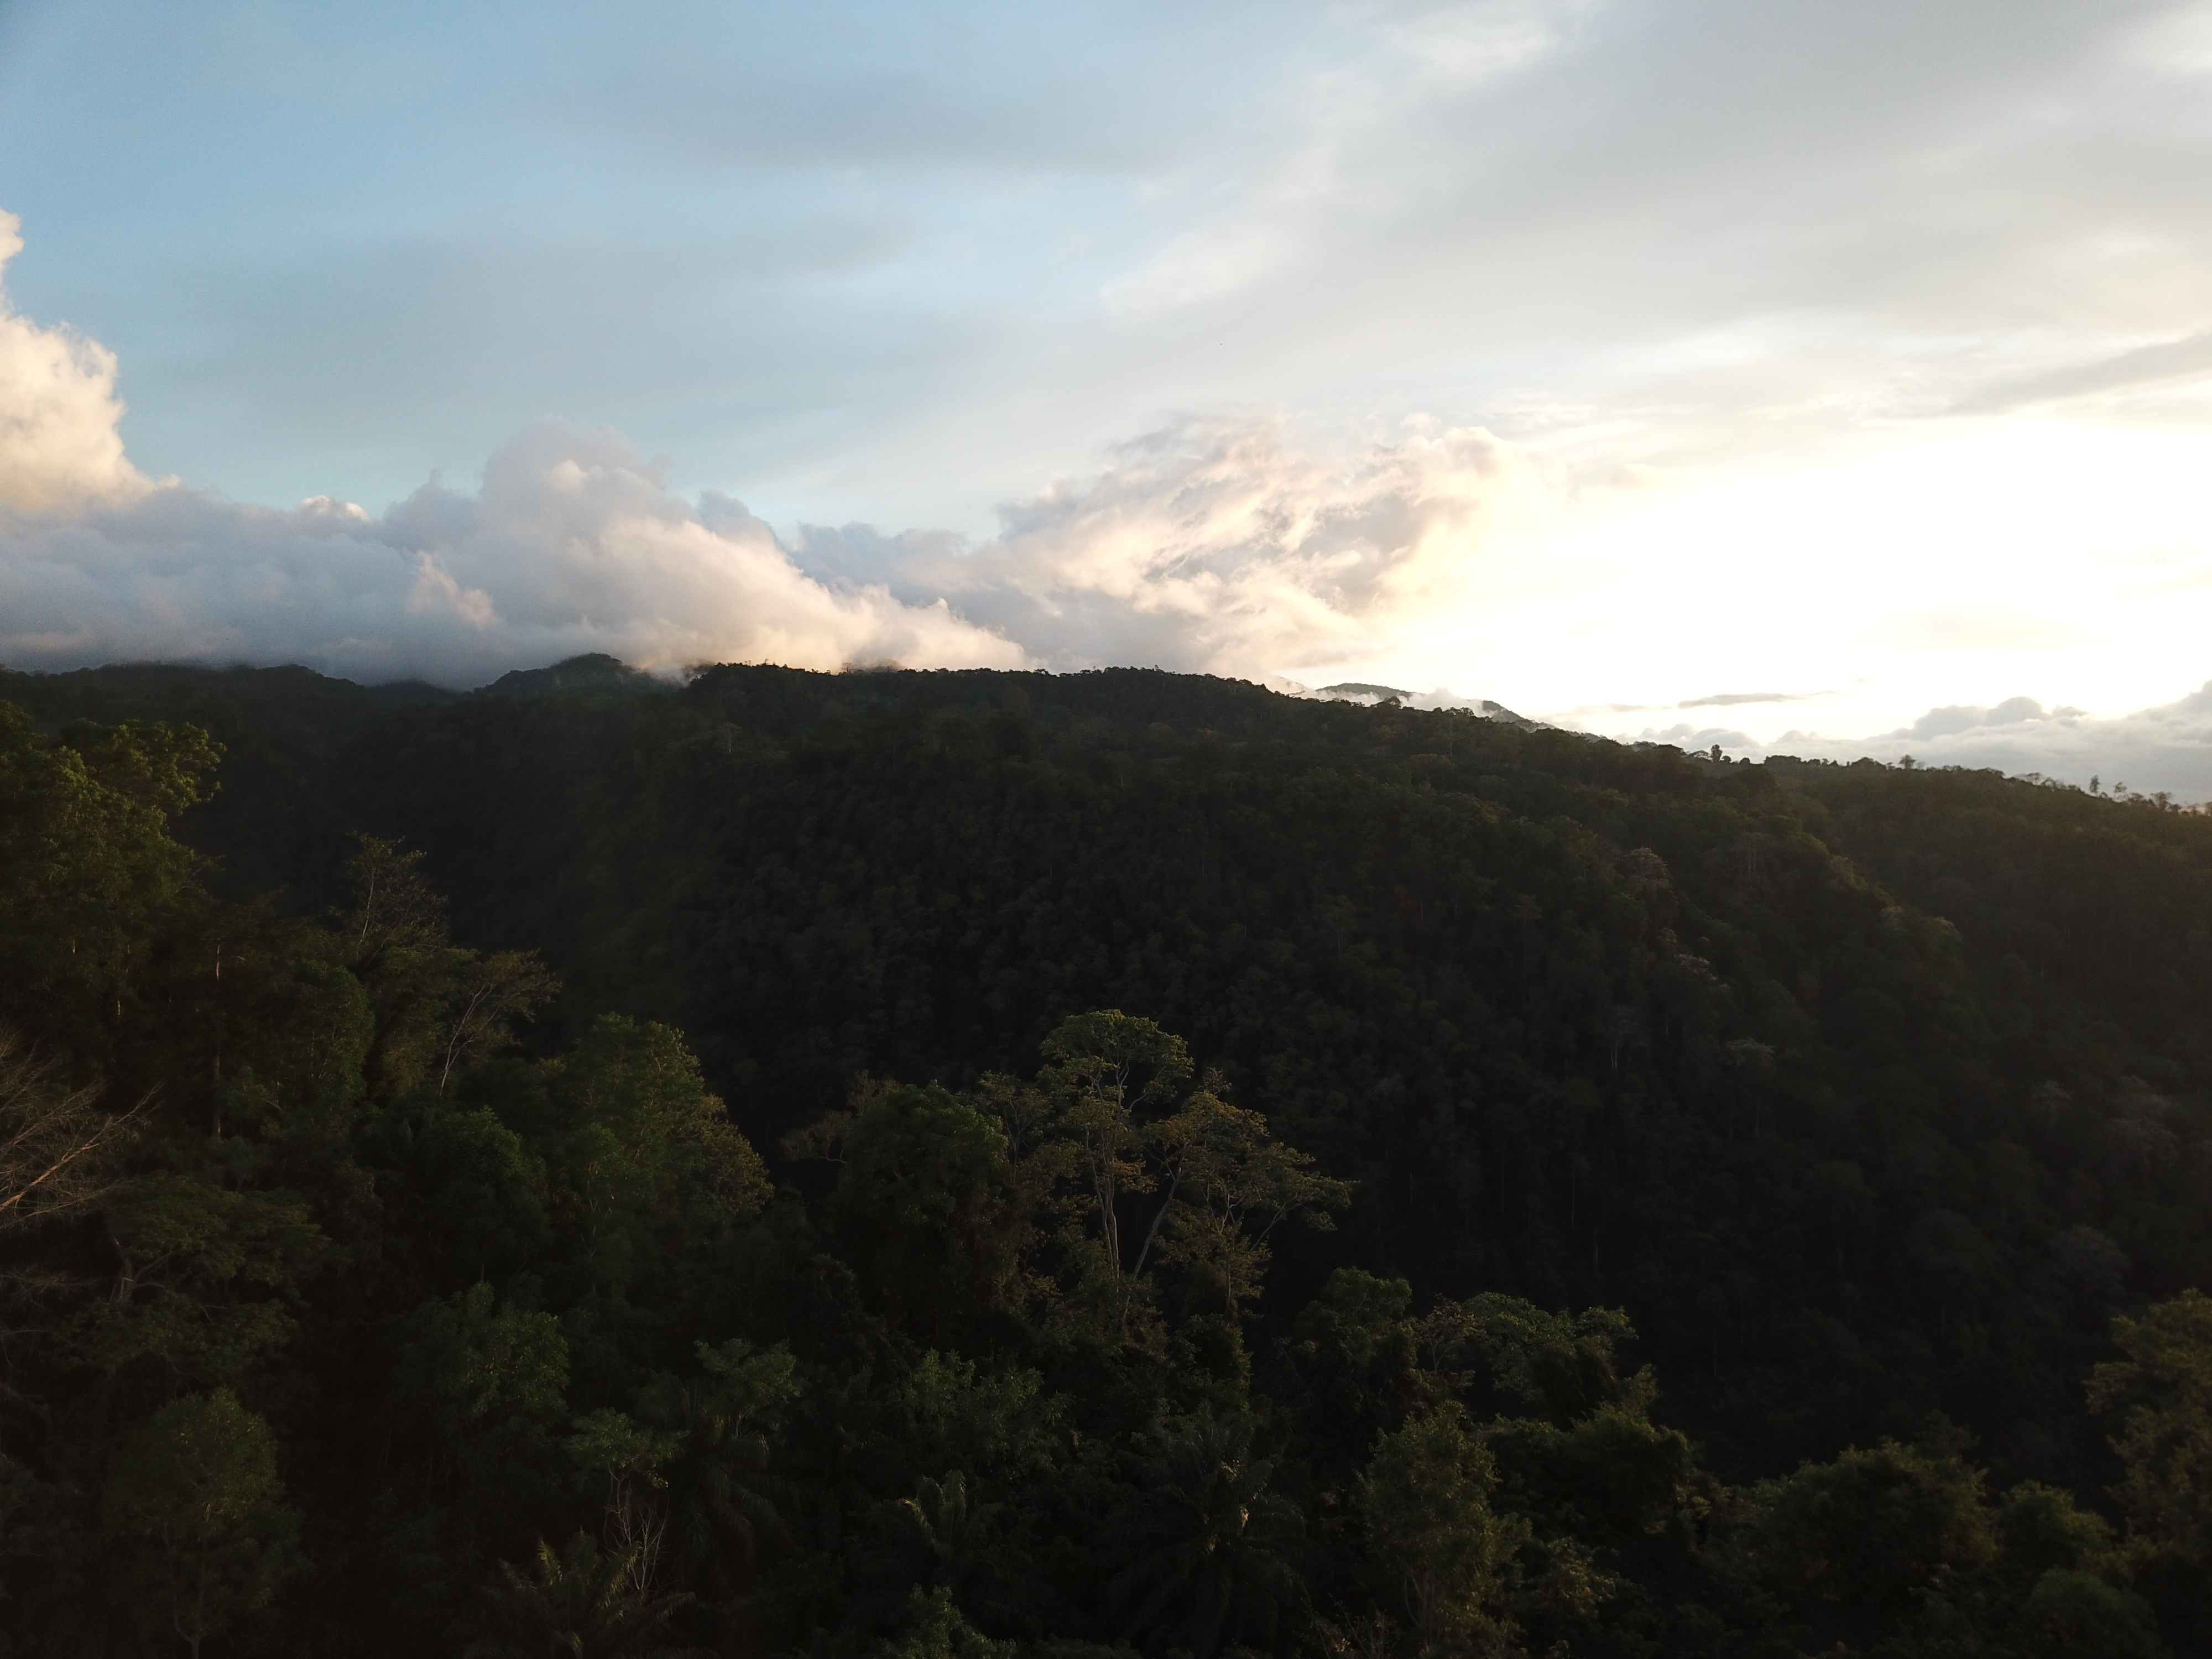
[1219, 546]
[1228, 545]
[2166, 749]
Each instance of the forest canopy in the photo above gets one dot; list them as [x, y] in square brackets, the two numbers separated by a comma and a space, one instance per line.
[985, 1164]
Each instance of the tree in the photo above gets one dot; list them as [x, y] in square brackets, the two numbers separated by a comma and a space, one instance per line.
[89, 875]
[935, 1628]
[1194, 1182]
[1447, 1556]
[1209, 1542]
[2163, 1390]
[611, 1450]
[1105, 1069]
[2079, 1615]
[439, 1007]
[492, 994]
[641, 1158]
[205, 1278]
[577, 1604]
[928, 1210]
[720, 1505]
[196, 1487]
[484, 1384]
[1359, 1355]
[1229, 1185]
[1566, 1364]
[1863, 1541]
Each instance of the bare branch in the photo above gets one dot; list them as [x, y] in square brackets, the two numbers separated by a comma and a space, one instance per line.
[54, 1140]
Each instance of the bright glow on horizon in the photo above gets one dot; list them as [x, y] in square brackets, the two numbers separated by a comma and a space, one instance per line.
[2069, 562]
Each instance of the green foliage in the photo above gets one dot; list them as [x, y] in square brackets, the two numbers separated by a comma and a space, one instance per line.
[2164, 1389]
[194, 1502]
[2044, 1529]
[713, 1460]
[1865, 1537]
[437, 1007]
[954, 1415]
[1358, 1353]
[1207, 1542]
[1305, 1308]
[576, 1602]
[635, 1143]
[1229, 1185]
[1564, 1364]
[205, 1277]
[936, 1629]
[485, 1191]
[1103, 1070]
[2161, 1390]
[473, 1375]
[927, 1207]
[2078, 1615]
[89, 876]
[1447, 1557]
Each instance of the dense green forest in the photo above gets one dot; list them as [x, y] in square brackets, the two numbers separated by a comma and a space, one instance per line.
[969, 1165]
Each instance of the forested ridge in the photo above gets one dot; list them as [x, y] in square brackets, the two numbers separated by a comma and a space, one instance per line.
[981, 1163]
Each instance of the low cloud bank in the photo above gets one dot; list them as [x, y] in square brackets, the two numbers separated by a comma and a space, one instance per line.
[1219, 547]
[2167, 749]
[572, 545]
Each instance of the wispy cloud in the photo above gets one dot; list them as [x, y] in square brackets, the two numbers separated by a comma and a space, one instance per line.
[2160, 363]
[1730, 699]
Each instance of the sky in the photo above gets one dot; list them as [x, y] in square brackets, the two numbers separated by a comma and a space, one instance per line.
[1828, 377]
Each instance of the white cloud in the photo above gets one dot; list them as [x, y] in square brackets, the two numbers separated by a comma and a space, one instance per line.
[2164, 749]
[573, 545]
[1225, 546]
[59, 410]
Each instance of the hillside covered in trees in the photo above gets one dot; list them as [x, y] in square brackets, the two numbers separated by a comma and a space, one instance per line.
[978, 1164]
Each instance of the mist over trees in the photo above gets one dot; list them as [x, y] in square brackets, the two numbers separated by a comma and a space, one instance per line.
[981, 1163]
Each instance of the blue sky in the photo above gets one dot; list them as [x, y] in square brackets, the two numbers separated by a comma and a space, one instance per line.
[339, 247]
[1848, 362]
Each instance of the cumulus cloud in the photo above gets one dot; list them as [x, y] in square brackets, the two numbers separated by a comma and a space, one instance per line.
[59, 440]
[574, 544]
[1224, 546]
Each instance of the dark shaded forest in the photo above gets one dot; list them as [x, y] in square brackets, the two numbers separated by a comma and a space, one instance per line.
[978, 1164]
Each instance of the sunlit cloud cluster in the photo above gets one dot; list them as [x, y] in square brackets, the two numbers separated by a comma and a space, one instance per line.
[60, 439]
[1229, 546]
